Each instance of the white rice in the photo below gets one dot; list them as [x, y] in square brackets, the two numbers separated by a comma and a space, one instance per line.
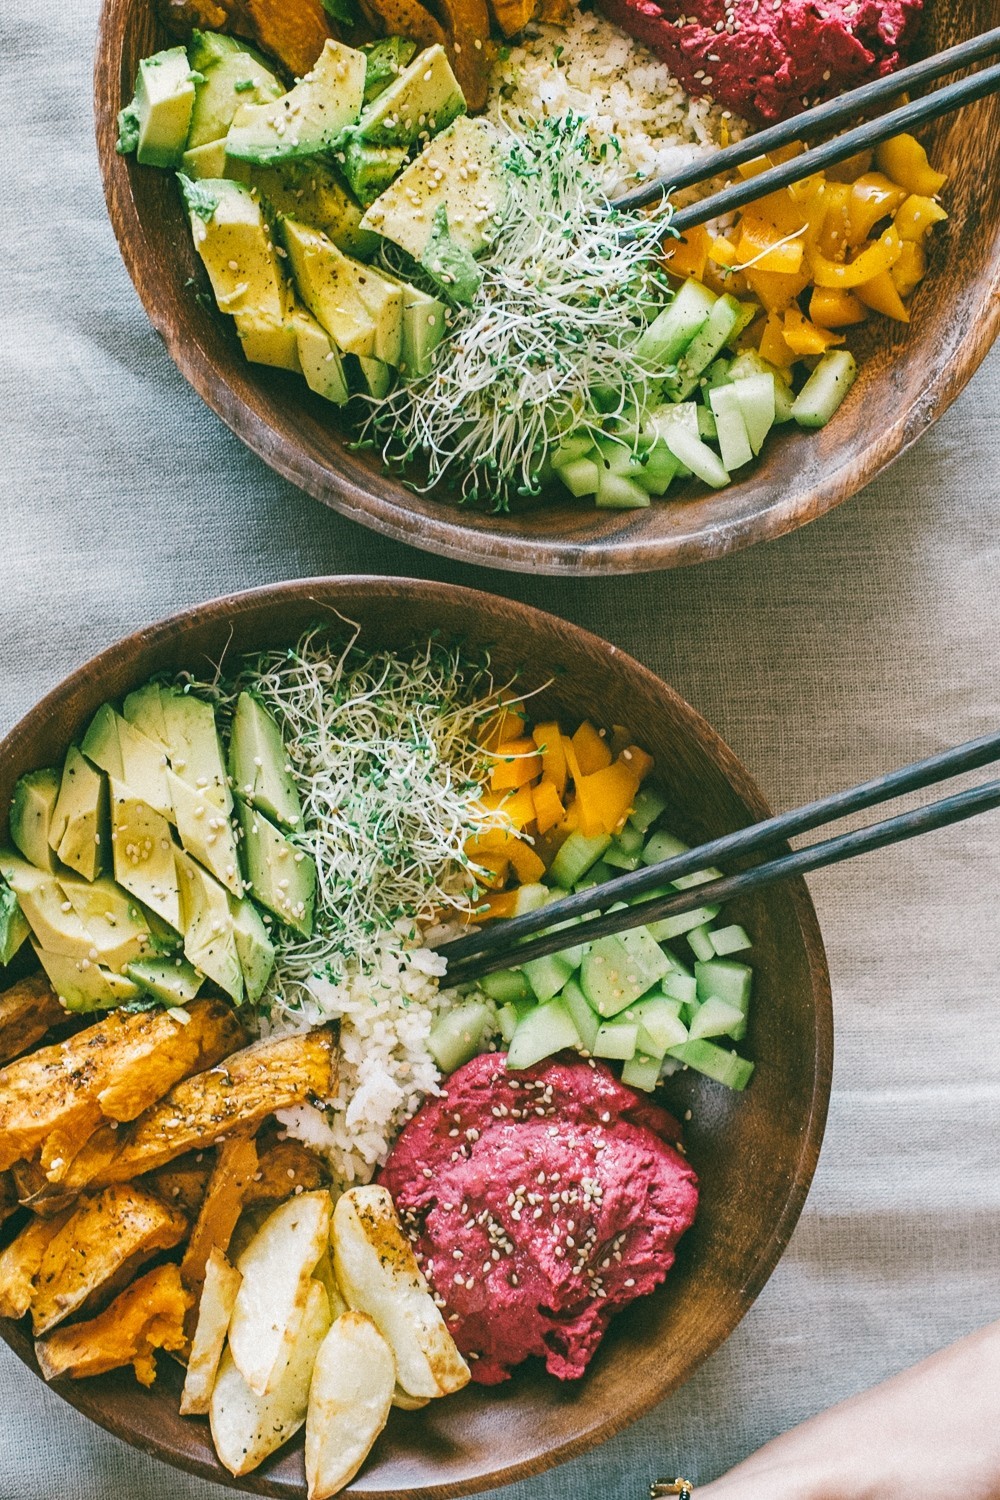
[628, 97]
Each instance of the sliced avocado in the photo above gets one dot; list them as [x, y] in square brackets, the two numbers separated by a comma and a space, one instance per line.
[319, 358]
[31, 810]
[385, 60]
[155, 125]
[118, 930]
[234, 239]
[230, 76]
[49, 914]
[458, 170]
[172, 981]
[369, 169]
[425, 322]
[422, 101]
[144, 709]
[259, 765]
[327, 283]
[371, 377]
[206, 833]
[80, 831]
[130, 756]
[14, 928]
[101, 745]
[211, 160]
[308, 120]
[209, 940]
[254, 947]
[193, 745]
[280, 877]
[311, 192]
[83, 985]
[144, 853]
[448, 263]
[383, 300]
[268, 341]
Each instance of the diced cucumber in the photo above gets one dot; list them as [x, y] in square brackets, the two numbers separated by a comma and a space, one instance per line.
[581, 476]
[755, 394]
[596, 875]
[659, 1022]
[748, 311]
[629, 840]
[584, 1018]
[715, 1018]
[569, 448]
[700, 940]
[544, 1030]
[748, 364]
[733, 939]
[620, 858]
[662, 419]
[710, 339]
[616, 1039]
[659, 469]
[530, 898]
[617, 970]
[722, 979]
[677, 965]
[507, 1018]
[717, 374]
[671, 927]
[670, 333]
[825, 389]
[715, 1062]
[681, 987]
[696, 456]
[734, 443]
[458, 1035]
[708, 427]
[614, 492]
[641, 1072]
[576, 857]
[696, 877]
[548, 975]
[662, 845]
[646, 808]
[619, 458]
[506, 987]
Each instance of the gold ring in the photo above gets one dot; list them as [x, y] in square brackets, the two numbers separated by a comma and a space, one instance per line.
[662, 1487]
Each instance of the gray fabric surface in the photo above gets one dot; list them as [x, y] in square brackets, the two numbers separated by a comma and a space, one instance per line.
[857, 644]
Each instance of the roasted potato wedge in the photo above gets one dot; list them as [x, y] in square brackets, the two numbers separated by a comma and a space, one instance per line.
[147, 1316]
[104, 1239]
[202, 1110]
[235, 1166]
[218, 1297]
[294, 34]
[247, 1427]
[405, 1402]
[378, 1275]
[27, 1011]
[277, 1268]
[21, 1261]
[54, 1099]
[349, 1401]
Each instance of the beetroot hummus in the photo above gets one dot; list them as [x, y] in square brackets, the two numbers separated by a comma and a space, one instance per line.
[539, 1204]
[766, 59]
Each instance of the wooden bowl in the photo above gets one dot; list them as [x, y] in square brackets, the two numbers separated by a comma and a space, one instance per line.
[910, 375]
[755, 1153]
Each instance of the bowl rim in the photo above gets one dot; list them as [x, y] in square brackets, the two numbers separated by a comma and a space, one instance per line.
[446, 535]
[148, 638]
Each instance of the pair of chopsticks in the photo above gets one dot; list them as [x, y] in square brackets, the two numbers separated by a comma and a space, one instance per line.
[499, 945]
[813, 122]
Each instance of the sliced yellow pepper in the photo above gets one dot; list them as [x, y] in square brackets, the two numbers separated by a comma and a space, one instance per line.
[805, 338]
[852, 168]
[592, 750]
[763, 247]
[525, 862]
[605, 798]
[830, 307]
[773, 291]
[876, 257]
[873, 197]
[880, 294]
[548, 805]
[722, 251]
[518, 763]
[905, 161]
[687, 256]
[772, 344]
[548, 738]
[910, 269]
[916, 216]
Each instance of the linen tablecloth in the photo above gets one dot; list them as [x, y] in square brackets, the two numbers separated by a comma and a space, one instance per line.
[864, 641]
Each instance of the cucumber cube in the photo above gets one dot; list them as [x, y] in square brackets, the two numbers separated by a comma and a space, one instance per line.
[507, 1018]
[616, 1039]
[647, 807]
[641, 1072]
[734, 443]
[544, 1030]
[615, 492]
[459, 1034]
[581, 476]
[697, 877]
[672, 330]
[671, 927]
[709, 341]
[755, 394]
[715, 1018]
[661, 846]
[659, 470]
[576, 857]
[681, 987]
[573, 446]
[715, 1062]
[825, 389]
[722, 979]
[507, 987]
[596, 875]
[701, 943]
[733, 939]
[698, 457]
[708, 427]
[620, 858]
[617, 970]
[548, 975]
[629, 840]
[530, 898]
[584, 1019]
[659, 1022]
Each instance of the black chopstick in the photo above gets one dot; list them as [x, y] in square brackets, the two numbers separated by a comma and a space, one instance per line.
[831, 851]
[970, 756]
[812, 122]
[908, 117]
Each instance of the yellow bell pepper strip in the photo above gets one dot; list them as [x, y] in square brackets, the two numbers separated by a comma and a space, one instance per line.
[492, 869]
[774, 291]
[637, 760]
[549, 809]
[910, 269]
[506, 724]
[881, 295]
[525, 862]
[722, 251]
[832, 308]
[762, 247]
[880, 255]
[851, 169]
[497, 904]
[605, 798]
[805, 338]
[548, 738]
[916, 216]
[593, 752]
[773, 347]
[835, 230]
[872, 197]
[518, 762]
[687, 256]
[905, 161]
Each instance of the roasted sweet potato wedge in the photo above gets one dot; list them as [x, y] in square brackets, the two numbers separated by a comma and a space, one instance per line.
[467, 24]
[147, 1316]
[9, 1197]
[202, 1111]
[53, 1099]
[183, 1182]
[28, 1010]
[293, 34]
[98, 1247]
[405, 18]
[234, 1170]
[284, 1168]
[21, 1261]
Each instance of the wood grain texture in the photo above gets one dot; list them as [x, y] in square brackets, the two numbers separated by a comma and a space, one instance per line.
[755, 1153]
[910, 374]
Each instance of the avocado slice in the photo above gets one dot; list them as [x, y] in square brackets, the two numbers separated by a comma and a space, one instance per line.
[172, 981]
[210, 160]
[319, 358]
[369, 169]
[359, 309]
[259, 765]
[130, 757]
[372, 377]
[253, 946]
[458, 170]
[143, 853]
[311, 192]
[14, 928]
[425, 322]
[80, 831]
[308, 120]
[447, 262]
[206, 833]
[422, 101]
[234, 238]
[232, 75]
[83, 985]
[53, 922]
[118, 931]
[144, 709]
[193, 745]
[31, 810]
[155, 125]
[384, 61]
[209, 940]
[267, 340]
[280, 877]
